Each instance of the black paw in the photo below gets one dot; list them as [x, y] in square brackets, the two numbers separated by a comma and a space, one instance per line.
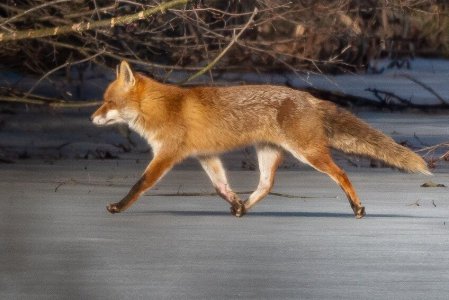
[359, 211]
[113, 208]
[238, 209]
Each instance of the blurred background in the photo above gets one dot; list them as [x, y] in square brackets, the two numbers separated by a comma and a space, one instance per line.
[285, 36]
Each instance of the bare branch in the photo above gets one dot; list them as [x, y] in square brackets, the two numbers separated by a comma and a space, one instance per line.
[426, 87]
[83, 26]
[59, 68]
[32, 10]
[54, 103]
[217, 59]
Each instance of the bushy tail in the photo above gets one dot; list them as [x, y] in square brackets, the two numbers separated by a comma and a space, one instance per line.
[353, 136]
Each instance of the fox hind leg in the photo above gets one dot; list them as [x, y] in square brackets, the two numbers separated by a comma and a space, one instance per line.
[322, 161]
[214, 168]
[269, 158]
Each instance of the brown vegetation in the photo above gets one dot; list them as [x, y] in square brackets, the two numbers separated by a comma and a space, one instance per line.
[285, 35]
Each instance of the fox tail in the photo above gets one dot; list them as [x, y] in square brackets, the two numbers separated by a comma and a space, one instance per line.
[351, 135]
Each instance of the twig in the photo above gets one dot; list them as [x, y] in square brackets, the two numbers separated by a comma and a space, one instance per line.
[432, 149]
[414, 204]
[75, 104]
[32, 9]
[71, 180]
[344, 99]
[83, 26]
[388, 96]
[419, 140]
[151, 64]
[55, 103]
[426, 87]
[23, 100]
[222, 53]
[59, 185]
[64, 65]
[105, 53]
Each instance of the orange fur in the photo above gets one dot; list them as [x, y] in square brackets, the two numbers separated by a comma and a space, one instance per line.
[206, 121]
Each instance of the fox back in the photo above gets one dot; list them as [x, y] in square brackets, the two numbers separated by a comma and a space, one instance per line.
[206, 120]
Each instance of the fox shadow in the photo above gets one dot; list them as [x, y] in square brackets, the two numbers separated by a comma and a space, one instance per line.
[283, 214]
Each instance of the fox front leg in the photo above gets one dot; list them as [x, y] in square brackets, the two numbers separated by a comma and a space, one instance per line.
[158, 167]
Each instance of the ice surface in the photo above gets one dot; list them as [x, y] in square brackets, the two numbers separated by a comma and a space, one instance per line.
[57, 241]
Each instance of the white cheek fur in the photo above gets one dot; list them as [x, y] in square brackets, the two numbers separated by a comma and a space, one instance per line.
[112, 114]
[129, 115]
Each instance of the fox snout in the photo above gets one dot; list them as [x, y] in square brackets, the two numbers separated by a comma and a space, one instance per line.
[105, 116]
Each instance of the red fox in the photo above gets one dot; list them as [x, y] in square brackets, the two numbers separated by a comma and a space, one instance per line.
[206, 121]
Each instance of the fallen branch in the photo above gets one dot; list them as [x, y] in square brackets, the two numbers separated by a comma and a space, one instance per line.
[83, 26]
[426, 87]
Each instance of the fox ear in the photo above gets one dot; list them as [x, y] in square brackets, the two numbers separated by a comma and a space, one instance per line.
[125, 74]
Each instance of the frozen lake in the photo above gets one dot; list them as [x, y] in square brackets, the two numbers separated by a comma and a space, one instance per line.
[58, 241]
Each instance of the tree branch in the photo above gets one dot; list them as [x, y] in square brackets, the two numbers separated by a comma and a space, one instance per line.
[54, 103]
[83, 26]
[31, 10]
[222, 53]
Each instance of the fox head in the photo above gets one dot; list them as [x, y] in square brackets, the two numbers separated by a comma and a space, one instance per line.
[117, 106]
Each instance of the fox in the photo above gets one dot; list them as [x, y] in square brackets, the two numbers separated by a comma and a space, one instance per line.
[206, 121]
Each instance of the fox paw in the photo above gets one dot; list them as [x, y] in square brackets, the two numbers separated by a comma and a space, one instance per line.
[359, 211]
[238, 209]
[113, 208]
